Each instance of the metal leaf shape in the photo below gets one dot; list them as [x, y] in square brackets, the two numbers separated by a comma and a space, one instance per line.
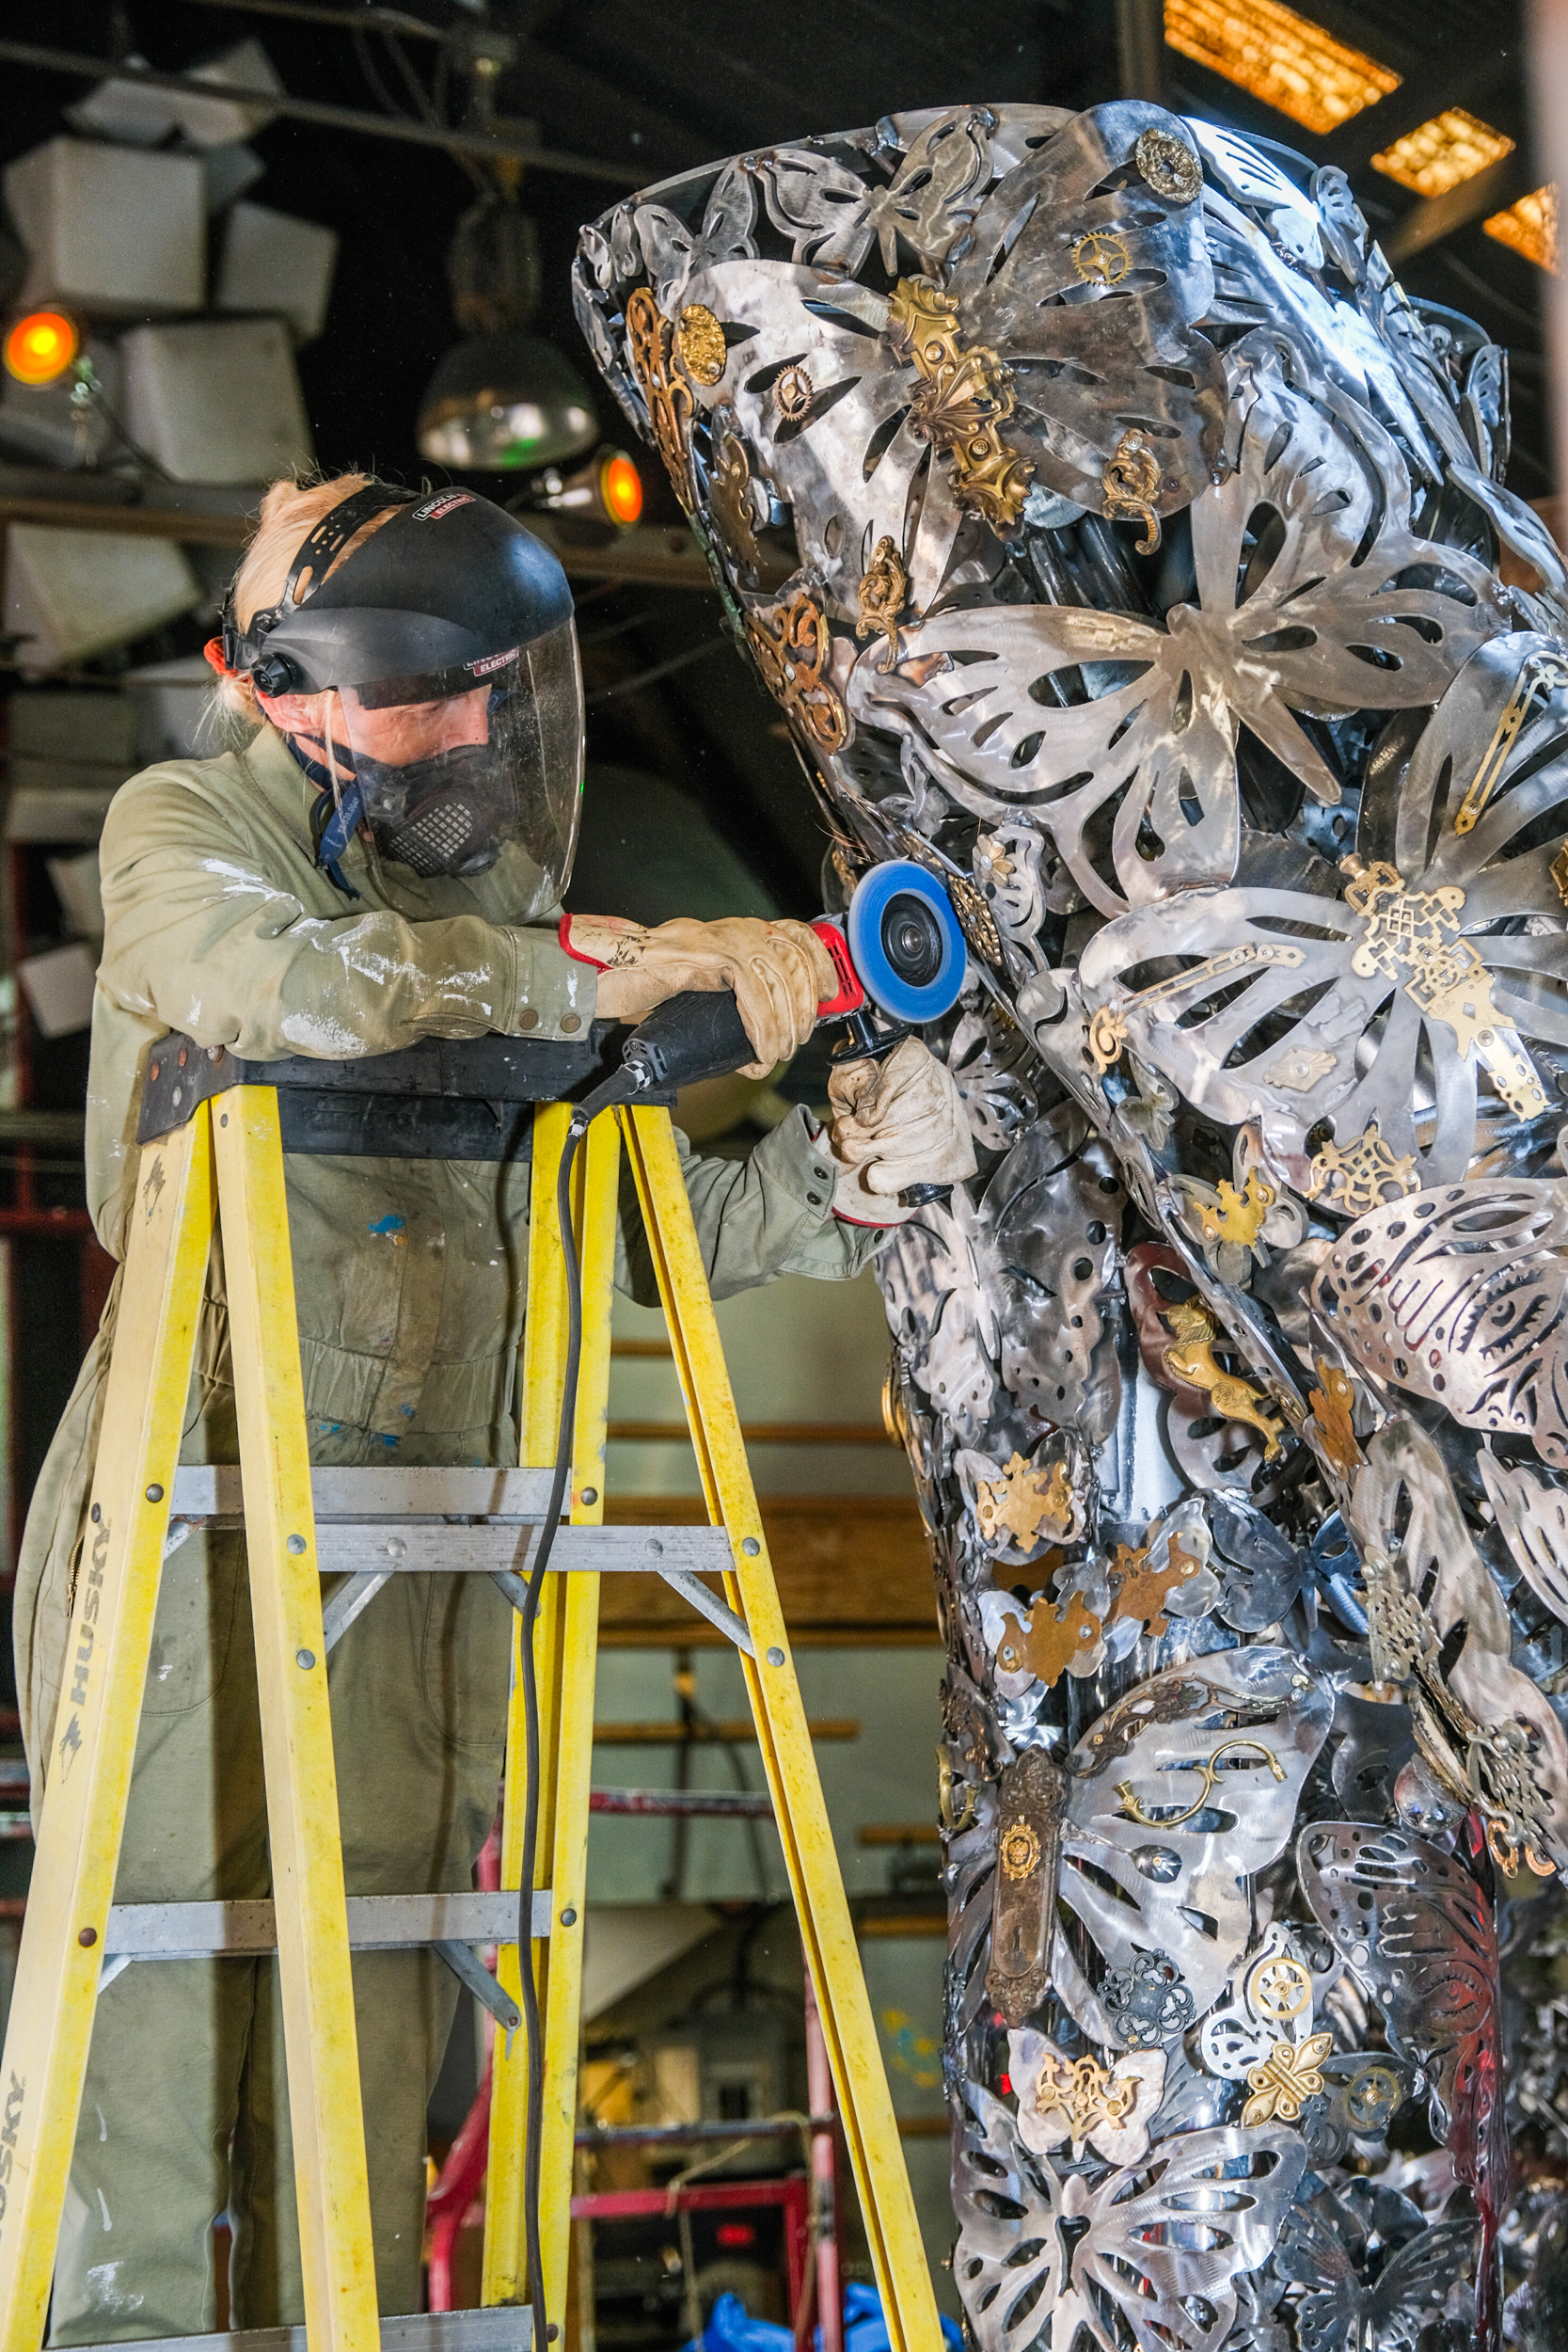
[1534, 1517]
[1378, 1009]
[1403, 1508]
[1419, 1933]
[672, 251]
[1093, 360]
[1337, 2311]
[851, 466]
[1118, 736]
[1462, 1297]
[1048, 1225]
[1177, 1794]
[817, 203]
[1007, 2262]
[1166, 2238]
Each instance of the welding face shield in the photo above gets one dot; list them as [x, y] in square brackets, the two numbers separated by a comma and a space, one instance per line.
[451, 771]
[432, 688]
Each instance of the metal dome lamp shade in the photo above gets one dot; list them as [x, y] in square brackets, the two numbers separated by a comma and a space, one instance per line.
[501, 399]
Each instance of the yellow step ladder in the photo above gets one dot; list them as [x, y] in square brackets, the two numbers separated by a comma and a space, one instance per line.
[212, 1147]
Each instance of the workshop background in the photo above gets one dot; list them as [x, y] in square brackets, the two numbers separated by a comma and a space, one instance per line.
[362, 260]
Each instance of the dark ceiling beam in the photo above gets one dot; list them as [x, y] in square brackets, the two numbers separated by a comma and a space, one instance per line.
[1141, 49]
[1438, 216]
[581, 105]
[578, 105]
[494, 144]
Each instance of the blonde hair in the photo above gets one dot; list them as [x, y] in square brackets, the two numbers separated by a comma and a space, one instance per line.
[289, 512]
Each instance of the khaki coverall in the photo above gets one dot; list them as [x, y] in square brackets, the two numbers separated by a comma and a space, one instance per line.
[410, 1280]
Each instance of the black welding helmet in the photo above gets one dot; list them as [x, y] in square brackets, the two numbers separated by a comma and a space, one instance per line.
[431, 685]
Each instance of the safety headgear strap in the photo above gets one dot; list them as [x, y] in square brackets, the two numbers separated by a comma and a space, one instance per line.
[318, 552]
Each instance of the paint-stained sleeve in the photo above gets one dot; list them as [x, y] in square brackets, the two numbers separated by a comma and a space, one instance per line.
[768, 1213]
[198, 937]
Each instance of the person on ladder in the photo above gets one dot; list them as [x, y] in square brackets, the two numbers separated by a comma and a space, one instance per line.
[382, 861]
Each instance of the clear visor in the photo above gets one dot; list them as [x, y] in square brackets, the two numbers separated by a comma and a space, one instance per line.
[459, 776]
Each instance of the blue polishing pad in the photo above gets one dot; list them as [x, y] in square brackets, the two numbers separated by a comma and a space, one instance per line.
[906, 943]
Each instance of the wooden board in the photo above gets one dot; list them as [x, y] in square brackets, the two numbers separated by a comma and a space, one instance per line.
[853, 1571]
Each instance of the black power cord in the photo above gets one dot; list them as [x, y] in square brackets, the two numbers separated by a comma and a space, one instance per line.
[534, 2116]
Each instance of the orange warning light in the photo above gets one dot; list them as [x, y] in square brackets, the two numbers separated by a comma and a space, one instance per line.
[621, 489]
[41, 347]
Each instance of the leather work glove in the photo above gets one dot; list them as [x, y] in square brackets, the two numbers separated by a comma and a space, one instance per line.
[895, 1123]
[780, 973]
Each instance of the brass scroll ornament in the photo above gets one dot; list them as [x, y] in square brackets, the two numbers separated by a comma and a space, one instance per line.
[963, 397]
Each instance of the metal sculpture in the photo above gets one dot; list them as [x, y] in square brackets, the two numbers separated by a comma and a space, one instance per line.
[1119, 541]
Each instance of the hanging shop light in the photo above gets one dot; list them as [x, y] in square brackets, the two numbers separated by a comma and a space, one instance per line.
[502, 399]
[39, 348]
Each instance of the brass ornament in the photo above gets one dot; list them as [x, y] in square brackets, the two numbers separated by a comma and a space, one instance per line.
[848, 862]
[953, 1820]
[795, 394]
[1279, 1987]
[1288, 2077]
[1056, 1639]
[1412, 937]
[895, 1410]
[1019, 1851]
[1332, 1405]
[1400, 1633]
[975, 919]
[1131, 481]
[1365, 1173]
[730, 503]
[700, 340]
[669, 397]
[1235, 1216]
[1372, 2097]
[883, 593]
[1488, 1770]
[1190, 1359]
[1082, 2101]
[1299, 1069]
[1168, 165]
[1211, 1772]
[964, 395]
[1101, 258]
[1087, 2095]
[1023, 1500]
[1505, 1792]
[1142, 1592]
[1539, 676]
[1107, 1037]
[791, 643]
[1559, 874]
[1031, 1798]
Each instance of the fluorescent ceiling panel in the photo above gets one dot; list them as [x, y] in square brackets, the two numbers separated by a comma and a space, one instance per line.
[1443, 154]
[1284, 59]
[1530, 228]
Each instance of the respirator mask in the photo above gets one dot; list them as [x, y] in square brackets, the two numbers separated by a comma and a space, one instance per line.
[432, 690]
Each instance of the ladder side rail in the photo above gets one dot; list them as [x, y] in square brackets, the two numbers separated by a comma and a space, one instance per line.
[94, 1738]
[866, 2105]
[542, 1375]
[321, 2043]
[575, 1666]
